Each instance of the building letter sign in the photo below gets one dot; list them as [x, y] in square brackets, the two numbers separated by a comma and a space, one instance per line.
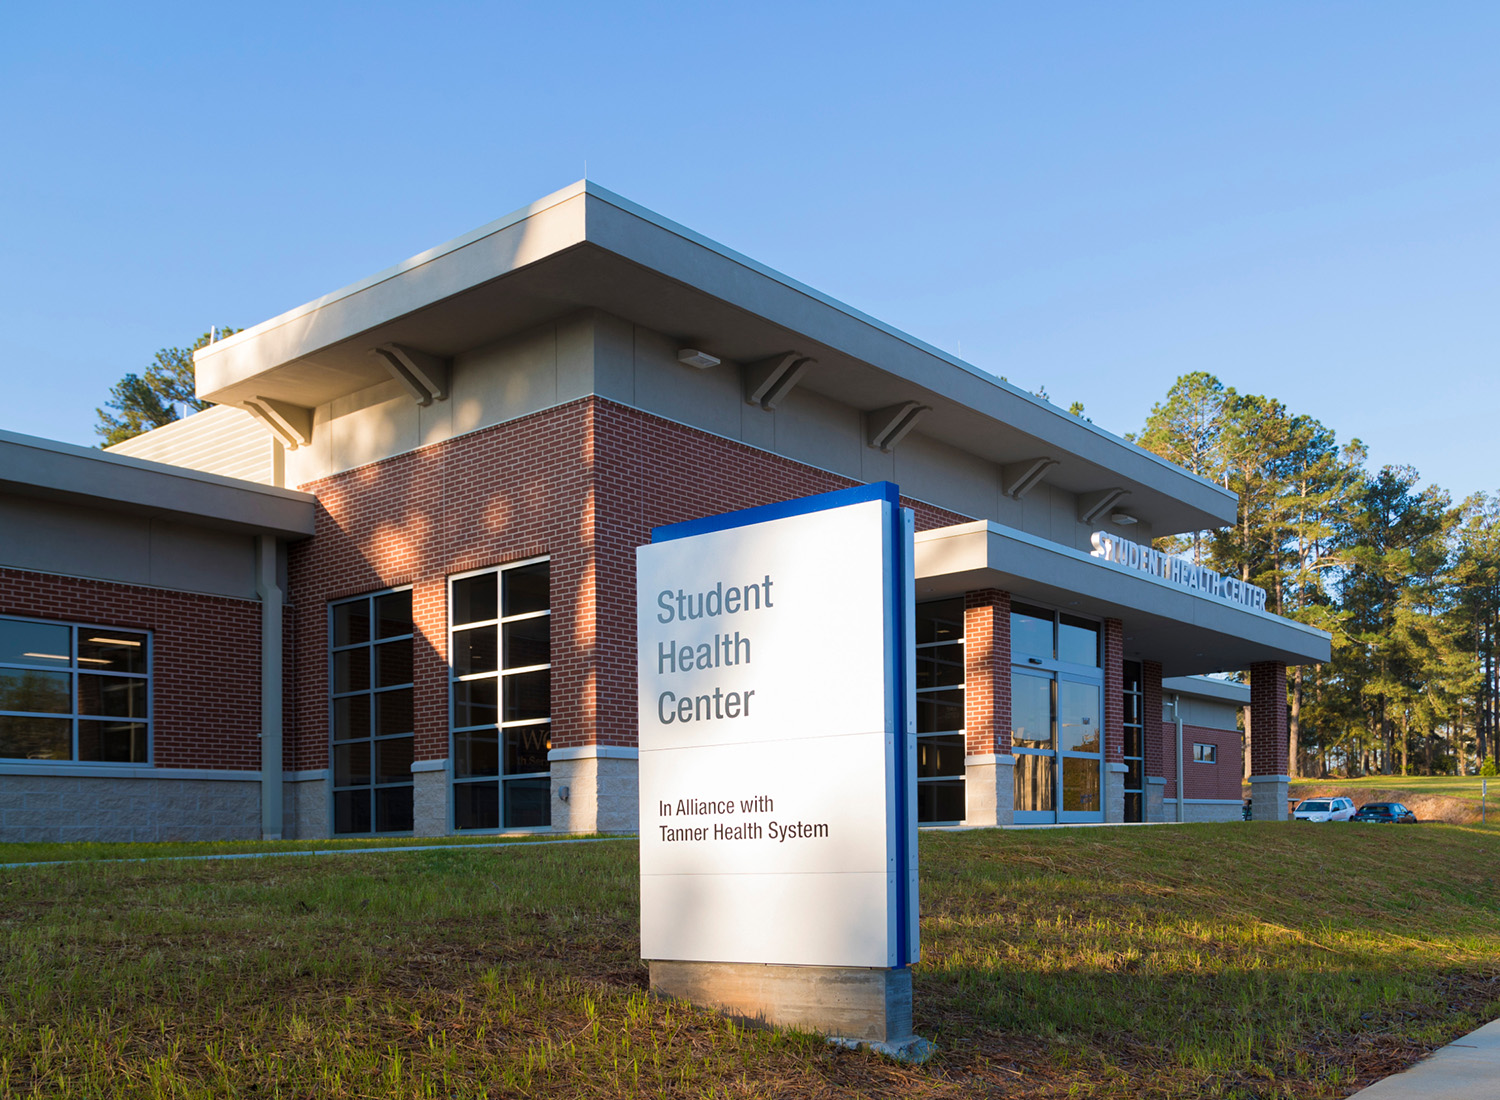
[777, 804]
[1205, 582]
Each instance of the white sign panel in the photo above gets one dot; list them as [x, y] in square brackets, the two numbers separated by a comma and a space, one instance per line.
[775, 711]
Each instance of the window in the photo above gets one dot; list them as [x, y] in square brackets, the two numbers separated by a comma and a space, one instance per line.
[74, 692]
[500, 649]
[1205, 754]
[940, 712]
[1039, 636]
[371, 702]
[1135, 743]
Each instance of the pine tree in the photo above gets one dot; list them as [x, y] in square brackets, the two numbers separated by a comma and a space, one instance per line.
[149, 400]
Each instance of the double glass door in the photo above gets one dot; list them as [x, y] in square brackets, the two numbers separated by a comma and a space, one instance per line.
[1057, 717]
[1057, 738]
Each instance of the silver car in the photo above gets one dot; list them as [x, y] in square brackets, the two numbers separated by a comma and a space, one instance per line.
[1324, 809]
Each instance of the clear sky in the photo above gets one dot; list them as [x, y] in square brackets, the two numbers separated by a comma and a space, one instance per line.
[1302, 198]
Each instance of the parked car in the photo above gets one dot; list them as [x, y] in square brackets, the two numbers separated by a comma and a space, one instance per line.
[1324, 809]
[1389, 813]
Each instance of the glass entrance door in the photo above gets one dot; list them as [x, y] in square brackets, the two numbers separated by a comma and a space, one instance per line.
[1057, 739]
[1057, 717]
[1080, 745]
[1032, 743]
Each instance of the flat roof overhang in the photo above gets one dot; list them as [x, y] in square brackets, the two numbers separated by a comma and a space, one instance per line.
[1188, 633]
[587, 248]
[48, 470]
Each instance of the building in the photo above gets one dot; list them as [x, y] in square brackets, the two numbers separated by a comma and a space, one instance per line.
[386, 584]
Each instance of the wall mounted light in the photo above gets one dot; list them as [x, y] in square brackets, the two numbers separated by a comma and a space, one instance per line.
[1124, 519]
[692, 357]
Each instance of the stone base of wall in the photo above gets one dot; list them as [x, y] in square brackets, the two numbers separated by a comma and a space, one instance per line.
[304, 808]
[595, 794]
[1268, 797]
[1114, 792]
[1205, 809]
[87, 808]
[1156, 793]
[429, 796]
[990, 790]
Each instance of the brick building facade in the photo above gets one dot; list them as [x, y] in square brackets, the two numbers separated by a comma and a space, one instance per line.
[402, 599]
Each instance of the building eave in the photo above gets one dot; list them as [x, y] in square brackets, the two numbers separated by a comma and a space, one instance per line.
[587, 248]
[1187, 632]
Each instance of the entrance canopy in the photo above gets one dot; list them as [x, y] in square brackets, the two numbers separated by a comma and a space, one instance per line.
[1188, 632]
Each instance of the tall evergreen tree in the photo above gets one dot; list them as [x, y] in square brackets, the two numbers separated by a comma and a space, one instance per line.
[1395, 556]
[1475, 616]
[1188, 429]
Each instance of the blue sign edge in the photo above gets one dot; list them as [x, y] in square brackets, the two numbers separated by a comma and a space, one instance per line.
[897, 669]
[801, 506]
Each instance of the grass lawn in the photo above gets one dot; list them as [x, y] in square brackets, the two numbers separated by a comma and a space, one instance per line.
[1249, 960]
[1446, 786]
[23, 852]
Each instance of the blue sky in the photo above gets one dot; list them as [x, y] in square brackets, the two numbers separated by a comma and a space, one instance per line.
[1302, 198]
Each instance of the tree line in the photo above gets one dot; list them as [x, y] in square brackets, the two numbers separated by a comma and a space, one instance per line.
[1407, 582]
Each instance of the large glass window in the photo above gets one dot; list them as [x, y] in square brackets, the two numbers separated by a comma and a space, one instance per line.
[74, 692]
[1039, 636]
[1135, 744]
[372, 714]
[940, 712]
[501, 647]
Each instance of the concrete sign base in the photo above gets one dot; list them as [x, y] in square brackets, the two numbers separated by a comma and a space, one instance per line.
[865, 1005]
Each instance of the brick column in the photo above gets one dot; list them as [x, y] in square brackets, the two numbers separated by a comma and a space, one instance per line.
[1114, 720]
[989, 785]
[1161, 760]
[1268, 741]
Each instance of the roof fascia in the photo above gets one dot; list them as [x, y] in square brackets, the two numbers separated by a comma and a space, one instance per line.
[51, 470]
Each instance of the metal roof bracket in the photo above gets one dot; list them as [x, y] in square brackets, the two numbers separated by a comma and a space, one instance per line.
[290, 424]
[886, 427]
[1019, 478]
[424, 376]
[1093, 505]
[769, 380]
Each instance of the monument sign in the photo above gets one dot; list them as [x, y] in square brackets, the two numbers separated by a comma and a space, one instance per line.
[777, 739]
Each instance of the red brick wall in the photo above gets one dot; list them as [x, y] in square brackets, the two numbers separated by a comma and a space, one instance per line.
[1220, 779]
[205, 656]
[1114, 692]
[987, 671]
[652, 472]
[1268, 723]
[1160, 760]
[514, 491]
[584, 483]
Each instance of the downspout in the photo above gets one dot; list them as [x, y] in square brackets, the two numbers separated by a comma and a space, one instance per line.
[270, 687]
[1181, 783]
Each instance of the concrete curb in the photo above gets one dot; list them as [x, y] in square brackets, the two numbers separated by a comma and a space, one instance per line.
[1465, 1069]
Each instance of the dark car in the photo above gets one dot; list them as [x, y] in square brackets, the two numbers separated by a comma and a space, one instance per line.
[1390, 813]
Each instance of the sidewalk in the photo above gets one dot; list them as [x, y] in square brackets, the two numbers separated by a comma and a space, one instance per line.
[1465, 1069]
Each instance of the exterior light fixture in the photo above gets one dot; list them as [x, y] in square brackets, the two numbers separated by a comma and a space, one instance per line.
[692, 357]
[1124, 519]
